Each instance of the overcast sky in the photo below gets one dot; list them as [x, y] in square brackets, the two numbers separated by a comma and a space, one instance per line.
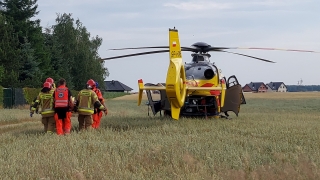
[288, 24]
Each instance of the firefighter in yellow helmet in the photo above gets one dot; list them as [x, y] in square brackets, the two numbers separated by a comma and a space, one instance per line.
[87, 100]
[44, 101]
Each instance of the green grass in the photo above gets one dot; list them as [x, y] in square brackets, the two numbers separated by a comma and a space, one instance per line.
[271, 139]
[111, 95]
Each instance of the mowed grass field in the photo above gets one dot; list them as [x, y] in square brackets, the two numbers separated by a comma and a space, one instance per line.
[276, 136]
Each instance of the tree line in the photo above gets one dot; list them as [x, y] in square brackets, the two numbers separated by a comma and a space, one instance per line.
[30, 53]
[303, 88]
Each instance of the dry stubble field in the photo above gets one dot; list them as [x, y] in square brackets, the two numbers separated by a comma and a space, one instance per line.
[276, 136]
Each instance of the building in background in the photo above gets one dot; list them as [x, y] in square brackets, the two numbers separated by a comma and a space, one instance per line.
[116, 86]
[277, 87]
[257, 87]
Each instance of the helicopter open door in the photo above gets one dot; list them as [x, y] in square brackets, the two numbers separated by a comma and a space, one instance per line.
[234, 96]
[155, 105]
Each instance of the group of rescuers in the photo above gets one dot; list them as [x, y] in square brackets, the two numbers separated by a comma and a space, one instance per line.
[56, 104]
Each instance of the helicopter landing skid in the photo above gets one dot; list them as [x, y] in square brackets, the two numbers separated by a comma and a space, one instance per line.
[226, 116]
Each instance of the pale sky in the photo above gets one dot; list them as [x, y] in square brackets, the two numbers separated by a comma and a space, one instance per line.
[286, 24]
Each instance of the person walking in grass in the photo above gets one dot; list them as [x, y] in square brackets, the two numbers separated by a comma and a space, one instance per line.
[87, 100]
[44, 102]
[53, 87]
[62, 104]
[97, 115]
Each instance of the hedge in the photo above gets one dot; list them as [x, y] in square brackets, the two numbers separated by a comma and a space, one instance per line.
[1, 95]
[30, 94]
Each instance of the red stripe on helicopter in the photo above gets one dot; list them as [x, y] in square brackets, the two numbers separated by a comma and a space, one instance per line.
[207, 85]
[212, 92]
[215, 92]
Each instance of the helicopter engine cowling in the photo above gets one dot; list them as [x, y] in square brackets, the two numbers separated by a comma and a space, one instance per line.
[200, 71]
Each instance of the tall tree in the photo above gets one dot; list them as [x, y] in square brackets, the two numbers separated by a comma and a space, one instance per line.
[29, 69]
[55, 55]
[9, 53]
[19, 14]
[1, 73]
[76, 55]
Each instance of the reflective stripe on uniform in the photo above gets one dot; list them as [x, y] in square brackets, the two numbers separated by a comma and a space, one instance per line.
[46, 97]
[86, 110]
[61, 97]
[89, 108]
[48, 111]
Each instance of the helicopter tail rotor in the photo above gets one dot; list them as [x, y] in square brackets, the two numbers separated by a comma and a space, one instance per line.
[176, 78]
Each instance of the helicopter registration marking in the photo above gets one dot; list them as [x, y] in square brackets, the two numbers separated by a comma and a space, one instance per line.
[175, 54]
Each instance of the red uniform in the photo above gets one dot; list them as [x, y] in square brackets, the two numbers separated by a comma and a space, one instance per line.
[62, 104]
[97, 113]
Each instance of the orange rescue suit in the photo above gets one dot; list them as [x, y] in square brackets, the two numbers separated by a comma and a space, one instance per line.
[98, 113]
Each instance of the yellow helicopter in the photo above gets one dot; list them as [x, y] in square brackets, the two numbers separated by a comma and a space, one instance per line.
[195, 89]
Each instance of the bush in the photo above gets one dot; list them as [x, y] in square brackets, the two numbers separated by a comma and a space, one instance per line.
[74, 93]
[1, 96]
[30, 94]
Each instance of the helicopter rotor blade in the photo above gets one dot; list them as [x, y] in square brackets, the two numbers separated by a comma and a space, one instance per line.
[142, 53]
[257, 48]
[247, 56]
[141, 47]
[278, 49]
[154, 47]
[135, 54]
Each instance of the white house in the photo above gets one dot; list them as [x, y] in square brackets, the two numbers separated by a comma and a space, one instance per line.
[276, 87]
